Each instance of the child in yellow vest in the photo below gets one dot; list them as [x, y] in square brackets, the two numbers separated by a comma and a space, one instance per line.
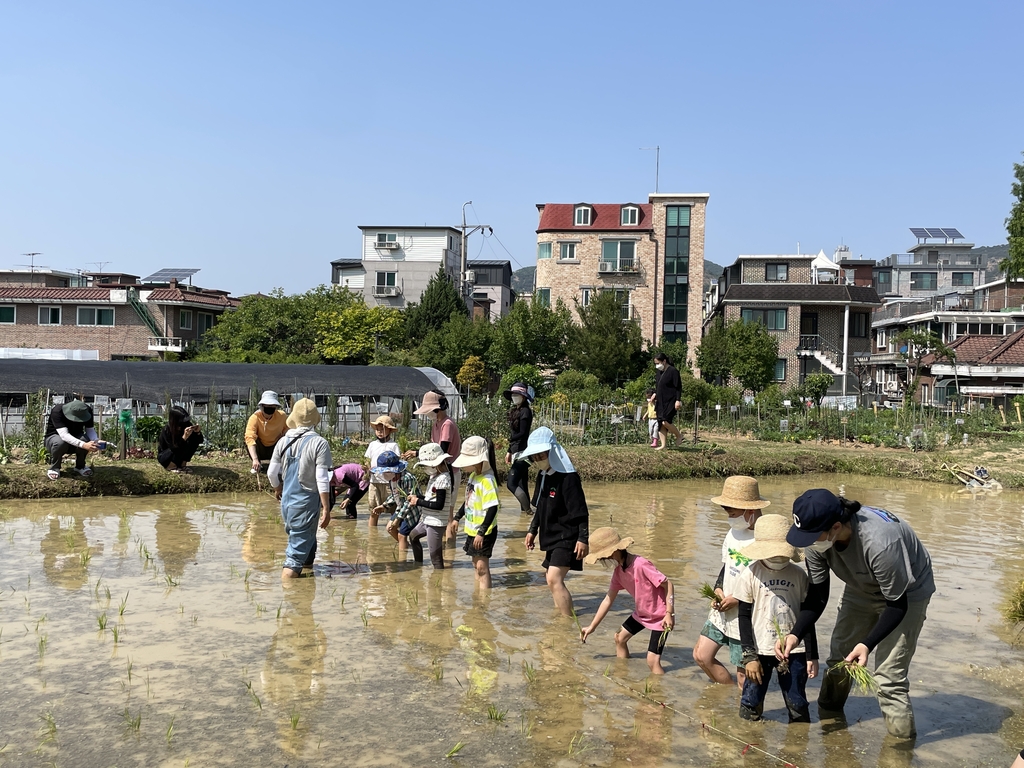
[481, 507]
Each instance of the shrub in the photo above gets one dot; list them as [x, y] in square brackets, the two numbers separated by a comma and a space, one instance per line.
[148, 428]
[579, 386]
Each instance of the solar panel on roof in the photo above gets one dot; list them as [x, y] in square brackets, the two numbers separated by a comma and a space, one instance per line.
[934, 232]
[163, 275]
[919, 232]
[952, 233]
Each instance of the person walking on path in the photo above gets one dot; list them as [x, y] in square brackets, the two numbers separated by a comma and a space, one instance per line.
[520, 422]
[265, 427]
[742, 502]
[668, 389]
[300, 472]
[178, 441]
[66, 426]
[562, 518]
[888, 576]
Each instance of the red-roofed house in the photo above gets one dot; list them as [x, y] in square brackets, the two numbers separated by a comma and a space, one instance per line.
[114, 318]
[985, 367]
[647, 253]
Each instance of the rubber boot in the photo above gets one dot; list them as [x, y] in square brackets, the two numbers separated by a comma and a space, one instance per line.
[835, 689]
[524, 500]
[901, 727]
[799, 714]
[751, 713]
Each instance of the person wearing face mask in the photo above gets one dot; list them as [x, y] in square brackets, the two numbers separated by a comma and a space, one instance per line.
[264, 428]
[888, 576]
[770, 593]
[741, 499]
[520, 422]
[668, 388]
[562, 518]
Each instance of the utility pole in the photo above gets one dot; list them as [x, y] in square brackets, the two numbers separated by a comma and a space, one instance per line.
[657, 164]
[464, 288]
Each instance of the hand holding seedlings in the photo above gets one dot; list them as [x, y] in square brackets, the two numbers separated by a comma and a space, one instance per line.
[859, 655]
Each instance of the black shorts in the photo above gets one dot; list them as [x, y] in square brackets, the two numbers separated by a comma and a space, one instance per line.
[487, 548]
[667, 418]
[658, 637]
[562, 557]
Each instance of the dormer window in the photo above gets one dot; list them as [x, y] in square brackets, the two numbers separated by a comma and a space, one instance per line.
[584, 215]
[630, 215]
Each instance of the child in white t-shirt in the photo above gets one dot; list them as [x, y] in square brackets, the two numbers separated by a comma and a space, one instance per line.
[380, 490]
[434, 506]
[770, 594]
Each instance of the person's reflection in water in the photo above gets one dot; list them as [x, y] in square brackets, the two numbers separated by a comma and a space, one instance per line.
[840, 750]
[177, 541]
[558, 691]
[648, 740]
[293, 679]
[477, 637]
[264, 539]
[63, 547]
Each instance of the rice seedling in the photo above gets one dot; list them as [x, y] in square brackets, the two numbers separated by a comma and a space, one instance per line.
[1014, 610]
[365, 617]
[636, 730]
[232, 570]
[708, 593]
[48, 731]
[85, 556]
[149, 690]
[343, 596]
[578, 744]
[69, 540]
[116, 632]
[438, 671]
[293, 718]
[451, 623]
[495, 714]
[529, 672]
[248, 573]
[576, 618]
[132, 723]
[102, 621]
[124, 604]
[96, 589]
[170, 580]
[648, 687]
[455, 750]
[195, 618]
[780, 636]
[260, 609]
[861, 678]
[255, 698]
[106, 591]
[41, 646]
[170, 731]
[525, 726]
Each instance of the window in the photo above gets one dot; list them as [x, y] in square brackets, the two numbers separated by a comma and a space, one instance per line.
[567, 252]
[677, 272]
[780, 370]
[543, 251]
[776, 273]
[185, 319]
[205, 322]
[880, 340]
[621, 296]
[7, 315]
[963, 278]
[630, 215]
[383, 238]
[387, 279]
[883, 278]
[618, 255]
[859, 325]
[585, 295]
[95, 315]
[933, 257]
[583, 216]
[772, 319]
[924, 281]
[49, 315]
[544, 297]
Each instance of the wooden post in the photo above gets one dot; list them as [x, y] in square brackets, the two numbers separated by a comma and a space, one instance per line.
[1002, 413]
[1017, 406]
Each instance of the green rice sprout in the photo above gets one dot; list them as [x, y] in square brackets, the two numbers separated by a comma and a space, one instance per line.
[48, 731]
[438, 671]
[708, 593]
[85, 556]
[861, 678]
[279, 607]
[132, 723]
[455, 750]
[529, 672]
[116, 632]
[106, 591]
[636, 730]
[293, 718]
[170, 731]
[343, 596]
[578, 744]
[525, 726]
[576, 618]
[365, 617]
[781, 637]
[255, 698]
[102, 621]
[648, 687]
[124, 603]
[41, 646]
[170, 581]
[495, 714]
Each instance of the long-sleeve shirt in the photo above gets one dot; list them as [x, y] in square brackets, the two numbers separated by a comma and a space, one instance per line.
[562, 516]
[265, 430]
[398, 501]
[314, 461]
[520, 424]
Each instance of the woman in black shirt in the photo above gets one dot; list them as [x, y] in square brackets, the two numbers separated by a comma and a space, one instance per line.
[179, 441]
[520, 422]
[668, 389]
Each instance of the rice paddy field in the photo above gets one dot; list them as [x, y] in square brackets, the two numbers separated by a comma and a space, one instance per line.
[155, 631]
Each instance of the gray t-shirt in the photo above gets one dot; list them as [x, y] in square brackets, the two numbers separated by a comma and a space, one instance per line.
[884, 559]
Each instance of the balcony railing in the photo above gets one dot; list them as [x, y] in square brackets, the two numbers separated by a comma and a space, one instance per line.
[617, 267]
[168, 344]
[952, 302]
[811, 343]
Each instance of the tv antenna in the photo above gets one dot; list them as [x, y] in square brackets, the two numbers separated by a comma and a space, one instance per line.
[100, 265]
[657, 163]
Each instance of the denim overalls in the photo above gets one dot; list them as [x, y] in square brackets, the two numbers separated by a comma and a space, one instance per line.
[300, 510]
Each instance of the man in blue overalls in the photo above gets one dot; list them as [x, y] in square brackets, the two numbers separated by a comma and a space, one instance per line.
[300, 473]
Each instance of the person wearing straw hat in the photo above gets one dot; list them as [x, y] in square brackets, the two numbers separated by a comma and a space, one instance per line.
[771, 592]
[652, 595]
[264, 428]
[434, 506]
[70, 429]
[520, 422]
[742, 502]
[300, 473]
[562, 518]
[384, 428]
[888, 584]
[481, 506]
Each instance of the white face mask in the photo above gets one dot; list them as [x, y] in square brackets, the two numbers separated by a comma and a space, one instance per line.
[821, 546]
[739, 523]
[542, 464]
[776, 563]
[660, 366]
[517, 399]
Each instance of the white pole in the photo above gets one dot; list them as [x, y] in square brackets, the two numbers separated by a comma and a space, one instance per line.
[846, 344]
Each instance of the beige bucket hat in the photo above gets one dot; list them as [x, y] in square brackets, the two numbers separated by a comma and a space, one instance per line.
[474, 450]
[304, 414]
[384, 420]
[741, 492]
[604, 541]
[431, 455]
[770, 540]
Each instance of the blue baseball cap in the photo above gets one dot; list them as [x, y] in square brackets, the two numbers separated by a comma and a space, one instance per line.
[815, 512]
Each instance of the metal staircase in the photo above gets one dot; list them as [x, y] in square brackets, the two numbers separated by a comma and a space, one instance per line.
[143, 311]
[827, 353]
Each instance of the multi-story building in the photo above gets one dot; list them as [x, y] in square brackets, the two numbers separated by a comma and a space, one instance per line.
[105, 317]
[821, 318]
[491, 294]
[930, 267]
[396, 263]
[648, 254]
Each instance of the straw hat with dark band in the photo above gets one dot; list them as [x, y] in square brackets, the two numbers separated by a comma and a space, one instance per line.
[741, 492]
[603, 542]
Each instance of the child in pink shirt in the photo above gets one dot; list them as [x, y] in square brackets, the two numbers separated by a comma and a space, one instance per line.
[650, 589]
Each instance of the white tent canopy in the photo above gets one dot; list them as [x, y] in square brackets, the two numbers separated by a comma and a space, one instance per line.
[823, 269]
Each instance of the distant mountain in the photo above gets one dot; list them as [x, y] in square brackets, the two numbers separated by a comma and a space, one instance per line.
[523, 280]
[712, 272]
[992, 255]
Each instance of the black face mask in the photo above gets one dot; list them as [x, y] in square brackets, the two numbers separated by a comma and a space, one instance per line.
[269, 411]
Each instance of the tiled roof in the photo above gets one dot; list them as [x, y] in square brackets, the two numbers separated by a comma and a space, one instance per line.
[177, 296]
[27, 293]
[605, 217]
[801, 293]
[987, 350]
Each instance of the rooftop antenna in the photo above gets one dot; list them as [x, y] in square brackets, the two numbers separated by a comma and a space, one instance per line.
[100, 265]
[657, 163]
[32, 266]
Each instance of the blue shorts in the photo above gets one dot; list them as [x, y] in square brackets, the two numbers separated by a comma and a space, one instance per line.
[405, 529]
[713, 633]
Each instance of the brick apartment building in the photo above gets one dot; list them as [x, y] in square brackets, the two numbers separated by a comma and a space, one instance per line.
[102, 316]
[649, 254]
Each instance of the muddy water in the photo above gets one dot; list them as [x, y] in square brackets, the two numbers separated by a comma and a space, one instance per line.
[206, 660]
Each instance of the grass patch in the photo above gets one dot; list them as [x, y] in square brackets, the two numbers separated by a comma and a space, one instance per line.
[1014, 610]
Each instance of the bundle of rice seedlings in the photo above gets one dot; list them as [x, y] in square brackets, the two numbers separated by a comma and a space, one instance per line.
[862, 679]
[708, 592]
[780, 636]
[1014, 611]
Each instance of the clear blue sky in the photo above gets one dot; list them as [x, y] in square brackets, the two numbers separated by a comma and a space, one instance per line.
[251, 138]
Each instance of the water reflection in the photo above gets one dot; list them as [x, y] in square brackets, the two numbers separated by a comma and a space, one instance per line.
[177, 541]
[66, 553]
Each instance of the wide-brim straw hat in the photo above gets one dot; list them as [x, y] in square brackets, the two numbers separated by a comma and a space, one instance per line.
[474, 450]
[269, 398]
[384, 420]
[304, 414]
[770, 540]
[741, 492]
[431, 455]
[604, 541]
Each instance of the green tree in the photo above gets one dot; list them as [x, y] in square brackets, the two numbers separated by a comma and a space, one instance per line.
[448, 347]
[531, 333]
[713, 353]
[752, 354]
[914, 347]
[440, 300]
[473, 375]
[605, 345]
[676, 351]
[273, 328]
[352, 335]
[816, 386]
[1013, 264]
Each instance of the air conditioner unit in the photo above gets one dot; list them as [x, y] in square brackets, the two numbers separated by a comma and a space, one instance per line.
[891, 386]
[390, 245]
[606, 266]
[385, 290]
[470, 276]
